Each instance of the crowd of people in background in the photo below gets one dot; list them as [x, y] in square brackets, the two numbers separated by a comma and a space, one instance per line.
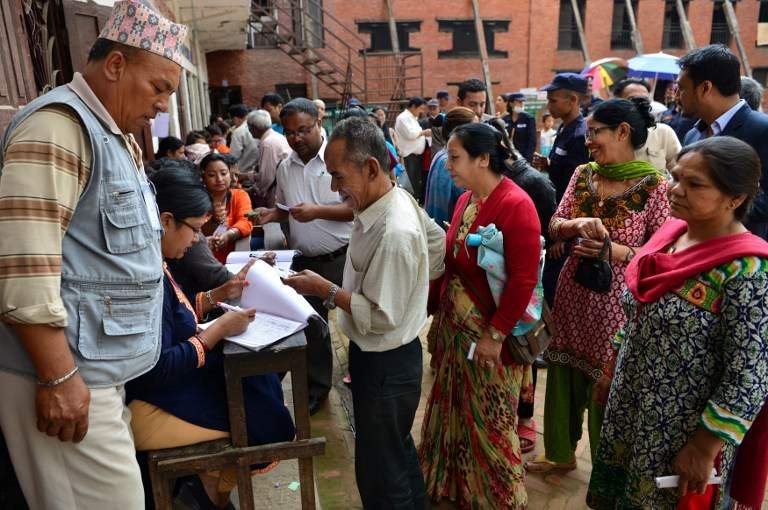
[638, 228]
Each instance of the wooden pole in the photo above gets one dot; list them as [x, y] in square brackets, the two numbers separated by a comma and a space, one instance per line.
[637, 40]
[393, 28]
[685, 27]
[733, 26]
[580, 27]
[399, 91]
[483, 56]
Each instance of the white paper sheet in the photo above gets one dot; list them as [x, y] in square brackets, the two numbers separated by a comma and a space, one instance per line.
[280, 310]
[263, 331]
[283, 269]
[241, 257]
[267, 293]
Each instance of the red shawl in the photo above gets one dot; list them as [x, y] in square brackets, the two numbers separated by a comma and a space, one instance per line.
[652, 274]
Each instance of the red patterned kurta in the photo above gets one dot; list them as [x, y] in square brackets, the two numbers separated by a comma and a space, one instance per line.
[586, 320]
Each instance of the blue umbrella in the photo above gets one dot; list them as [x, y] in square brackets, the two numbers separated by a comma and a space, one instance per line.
[654, 65]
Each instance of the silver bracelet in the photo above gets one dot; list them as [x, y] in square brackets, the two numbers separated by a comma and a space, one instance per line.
[330, 301]
[56, 382]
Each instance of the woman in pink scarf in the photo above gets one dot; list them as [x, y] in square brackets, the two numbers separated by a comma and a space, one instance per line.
[691, 375]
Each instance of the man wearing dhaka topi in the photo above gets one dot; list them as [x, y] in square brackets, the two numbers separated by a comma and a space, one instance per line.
[81, 287]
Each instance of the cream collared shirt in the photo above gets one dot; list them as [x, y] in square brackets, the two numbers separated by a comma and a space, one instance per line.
[394, 251]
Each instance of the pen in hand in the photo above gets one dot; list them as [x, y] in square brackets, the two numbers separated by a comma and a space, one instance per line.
[228, 308]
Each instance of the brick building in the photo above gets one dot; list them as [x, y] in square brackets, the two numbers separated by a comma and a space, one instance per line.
[528, 41]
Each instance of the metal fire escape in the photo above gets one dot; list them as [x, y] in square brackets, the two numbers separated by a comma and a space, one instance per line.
[335, 55]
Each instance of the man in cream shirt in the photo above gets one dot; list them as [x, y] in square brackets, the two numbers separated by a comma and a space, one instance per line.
[394, 251]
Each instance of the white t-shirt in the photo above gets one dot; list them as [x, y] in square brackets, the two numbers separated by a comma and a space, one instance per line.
[409, 137]
[547, 139]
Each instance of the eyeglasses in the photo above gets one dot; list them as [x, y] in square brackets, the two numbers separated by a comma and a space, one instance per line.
[593, 132]
[303, 132]
[196, 230]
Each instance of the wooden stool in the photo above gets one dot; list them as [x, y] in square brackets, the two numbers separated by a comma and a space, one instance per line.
[289, 355]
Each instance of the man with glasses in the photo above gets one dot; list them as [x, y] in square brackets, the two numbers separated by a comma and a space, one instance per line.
[320, 224]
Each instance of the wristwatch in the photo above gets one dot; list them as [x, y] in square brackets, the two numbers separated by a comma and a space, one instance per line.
[330, 301]
[496, 336]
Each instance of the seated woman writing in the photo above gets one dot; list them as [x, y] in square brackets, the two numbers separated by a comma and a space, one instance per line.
[183, 400]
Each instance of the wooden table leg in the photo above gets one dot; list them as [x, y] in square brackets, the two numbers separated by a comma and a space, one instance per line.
[236, 406]
[307, 480]
[245, 488]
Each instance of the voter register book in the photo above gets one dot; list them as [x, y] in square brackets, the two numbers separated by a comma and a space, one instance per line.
[280, 310]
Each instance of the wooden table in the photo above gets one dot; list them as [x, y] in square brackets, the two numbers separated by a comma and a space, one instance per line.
[288, 355]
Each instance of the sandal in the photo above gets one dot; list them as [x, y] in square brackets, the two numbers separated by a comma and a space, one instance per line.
[542, 465]
[527, 435]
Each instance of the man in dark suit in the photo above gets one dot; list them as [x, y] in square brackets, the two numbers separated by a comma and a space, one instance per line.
[521, 126]
[708, 88]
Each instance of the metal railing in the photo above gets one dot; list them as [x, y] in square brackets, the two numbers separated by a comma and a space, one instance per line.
[621, 40]
[720, 33]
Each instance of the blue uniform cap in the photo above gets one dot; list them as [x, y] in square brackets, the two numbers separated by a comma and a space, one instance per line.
[516, 96]
[568, 81]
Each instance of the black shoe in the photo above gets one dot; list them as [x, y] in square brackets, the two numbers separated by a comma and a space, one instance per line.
[315, 403]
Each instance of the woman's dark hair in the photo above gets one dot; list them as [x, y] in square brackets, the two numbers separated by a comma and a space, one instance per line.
[501, 127]
[194, 136]
[210, 158]
[168, 144]
[636, 112]
[733, 165]
[478, 139]
[180, 191]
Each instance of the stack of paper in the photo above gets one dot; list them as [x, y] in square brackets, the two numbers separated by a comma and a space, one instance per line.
[237, 259]
[280, 310]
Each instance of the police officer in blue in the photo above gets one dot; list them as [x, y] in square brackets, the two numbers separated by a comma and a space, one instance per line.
[521, 126]
[564, 96]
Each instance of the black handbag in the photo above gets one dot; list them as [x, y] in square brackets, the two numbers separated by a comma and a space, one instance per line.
[596, 274]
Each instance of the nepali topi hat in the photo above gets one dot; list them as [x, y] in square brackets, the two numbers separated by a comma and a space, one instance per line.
[134, 24]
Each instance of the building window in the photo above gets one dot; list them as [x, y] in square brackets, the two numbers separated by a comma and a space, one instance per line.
[465, 38]
[621, 28]
[380, 39]
[290, 91]
[762, 24]
[568, 31]
[673, 32]
[720, 32]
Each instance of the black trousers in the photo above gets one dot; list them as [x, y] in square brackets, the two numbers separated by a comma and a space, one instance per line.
[386, 387]
[319, 349]
[414, 166]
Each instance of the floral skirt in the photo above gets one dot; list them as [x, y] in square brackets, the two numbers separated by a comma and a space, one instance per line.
[470, 451]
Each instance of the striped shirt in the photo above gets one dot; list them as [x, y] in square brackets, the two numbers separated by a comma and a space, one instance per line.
[47, 165]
